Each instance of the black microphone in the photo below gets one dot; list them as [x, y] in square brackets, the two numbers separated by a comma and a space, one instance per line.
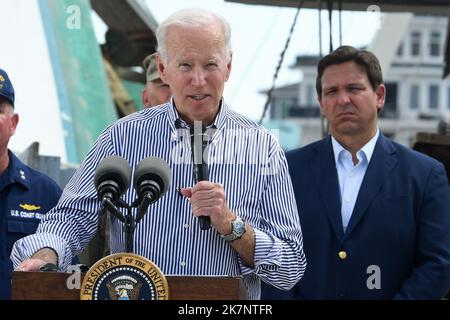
[199, 142]
[151, 181]
[112, 178]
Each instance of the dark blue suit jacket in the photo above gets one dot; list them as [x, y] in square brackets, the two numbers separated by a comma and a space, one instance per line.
[400, 223]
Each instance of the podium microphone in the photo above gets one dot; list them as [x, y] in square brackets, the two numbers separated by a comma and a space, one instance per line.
[151, 181]
[199, 142]
[112, 178]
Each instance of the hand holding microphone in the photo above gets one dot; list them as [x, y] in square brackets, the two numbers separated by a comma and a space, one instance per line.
[208, 201]
[199, 142]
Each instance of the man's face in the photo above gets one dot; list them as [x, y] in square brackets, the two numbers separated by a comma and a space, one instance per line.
[155, 93]
[349, 102]
[196, 69]
[8, 124]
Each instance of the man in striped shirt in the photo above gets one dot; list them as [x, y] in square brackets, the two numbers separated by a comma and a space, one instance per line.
[248, 185]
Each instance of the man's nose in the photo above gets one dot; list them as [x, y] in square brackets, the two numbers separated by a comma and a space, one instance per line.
[198, 77]
[343, 98]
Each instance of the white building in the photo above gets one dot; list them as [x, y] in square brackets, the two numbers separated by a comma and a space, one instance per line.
[417, 96]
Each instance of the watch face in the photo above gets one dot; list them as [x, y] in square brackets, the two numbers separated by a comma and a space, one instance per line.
[240, 227]
[237, 232]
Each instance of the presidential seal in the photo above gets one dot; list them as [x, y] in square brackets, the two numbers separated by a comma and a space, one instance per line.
[124, 276]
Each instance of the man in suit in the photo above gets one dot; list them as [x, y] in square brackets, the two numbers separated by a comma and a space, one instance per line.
[375, 215]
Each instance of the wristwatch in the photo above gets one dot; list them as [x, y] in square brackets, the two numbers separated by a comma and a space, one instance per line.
[237, 230]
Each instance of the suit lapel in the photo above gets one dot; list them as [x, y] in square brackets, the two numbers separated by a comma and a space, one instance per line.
[324, 171]
[380, 166]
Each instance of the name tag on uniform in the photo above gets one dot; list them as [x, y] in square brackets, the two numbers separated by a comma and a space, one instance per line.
[27, 211]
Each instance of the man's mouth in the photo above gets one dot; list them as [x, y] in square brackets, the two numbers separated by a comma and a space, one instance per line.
[345, 114]
[198, 97]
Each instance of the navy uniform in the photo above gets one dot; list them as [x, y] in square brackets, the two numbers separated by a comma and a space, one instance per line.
[25, 196]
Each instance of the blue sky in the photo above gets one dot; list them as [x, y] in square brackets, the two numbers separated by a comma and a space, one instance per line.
[258, 37]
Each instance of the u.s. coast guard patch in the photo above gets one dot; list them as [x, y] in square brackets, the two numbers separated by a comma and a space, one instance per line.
[124, 276]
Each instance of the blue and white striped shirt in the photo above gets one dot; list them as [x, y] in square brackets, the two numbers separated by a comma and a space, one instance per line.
[243, 157]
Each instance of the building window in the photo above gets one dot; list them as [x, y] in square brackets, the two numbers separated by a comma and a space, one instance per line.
[310, 96]
[415, 43]
[414, 97]
[280, 107]
[433, 97]
[448, 99]
[435, 44]
[400, 50]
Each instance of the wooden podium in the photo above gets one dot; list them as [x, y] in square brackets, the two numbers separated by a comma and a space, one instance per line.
[53, 286]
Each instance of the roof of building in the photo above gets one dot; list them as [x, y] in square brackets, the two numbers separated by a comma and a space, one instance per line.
[433, 7]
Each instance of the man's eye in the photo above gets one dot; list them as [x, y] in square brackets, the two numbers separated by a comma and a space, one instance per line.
[211, 65]
[185, 66]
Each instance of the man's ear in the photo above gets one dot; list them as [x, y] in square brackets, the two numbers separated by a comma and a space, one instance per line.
[14, 122]
[319, 100]
[144, 97]
[229, 65]
[381, 96]
[161, 68]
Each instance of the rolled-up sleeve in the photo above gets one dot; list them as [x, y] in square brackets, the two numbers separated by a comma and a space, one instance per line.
[279, 258]
[69, 226]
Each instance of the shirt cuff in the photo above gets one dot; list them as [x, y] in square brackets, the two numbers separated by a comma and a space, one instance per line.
[267, 254]
[24, 248]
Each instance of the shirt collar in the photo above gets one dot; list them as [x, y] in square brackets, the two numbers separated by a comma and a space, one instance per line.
[176, 122]
[367, 149]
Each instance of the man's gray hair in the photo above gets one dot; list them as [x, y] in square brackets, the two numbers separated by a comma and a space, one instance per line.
[192, 17]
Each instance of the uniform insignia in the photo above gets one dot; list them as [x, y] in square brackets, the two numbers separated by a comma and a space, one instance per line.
[29, 207]
[2, 78]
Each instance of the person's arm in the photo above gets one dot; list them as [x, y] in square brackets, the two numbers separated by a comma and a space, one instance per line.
[208, 199]
[38, 259]
[279, 258]
[272, 247]
[245, 246]
[68, 227]
[430, 278]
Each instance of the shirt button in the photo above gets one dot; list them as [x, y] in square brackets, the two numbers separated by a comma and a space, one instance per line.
[183, 264]
[186, 226]
[342, 255]
[347, 200]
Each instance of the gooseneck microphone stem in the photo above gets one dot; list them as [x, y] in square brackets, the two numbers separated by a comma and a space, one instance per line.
[109, 205]
[129, 226]
[127, 220]
[142, 209]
